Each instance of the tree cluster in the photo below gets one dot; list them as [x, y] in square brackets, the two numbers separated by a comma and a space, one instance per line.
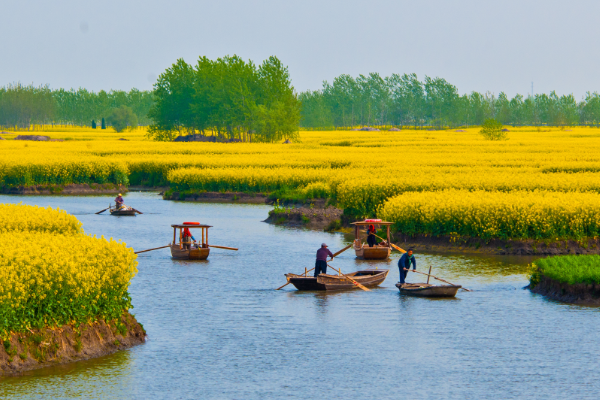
[24, 106]
[229, 98]
[122, 118]
[403, 100]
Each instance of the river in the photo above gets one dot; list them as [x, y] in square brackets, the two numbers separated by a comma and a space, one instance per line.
[218, 329]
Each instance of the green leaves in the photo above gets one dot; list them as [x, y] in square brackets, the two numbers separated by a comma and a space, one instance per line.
[228, 98]
[492, 130]
[122, 118]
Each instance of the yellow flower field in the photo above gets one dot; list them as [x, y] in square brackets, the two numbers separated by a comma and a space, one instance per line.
[484, 214]
[358, 170]
[71, 277]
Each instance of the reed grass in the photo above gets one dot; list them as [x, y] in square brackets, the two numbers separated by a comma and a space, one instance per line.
[571, 269]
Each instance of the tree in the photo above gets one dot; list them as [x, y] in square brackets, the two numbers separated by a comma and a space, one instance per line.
[227, 97]
[93, 124]
[103, 123]
[122, 118]
[492, 130]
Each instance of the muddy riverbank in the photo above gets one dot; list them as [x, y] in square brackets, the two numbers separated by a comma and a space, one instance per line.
[51, 346]
[496, 246]
[580, 293]
[328, 219]
[218, 197]
[71, 190]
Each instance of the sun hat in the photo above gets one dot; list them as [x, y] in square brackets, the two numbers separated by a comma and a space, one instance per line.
[324, 245]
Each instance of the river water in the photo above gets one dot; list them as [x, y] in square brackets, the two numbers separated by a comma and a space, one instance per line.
[218, 329]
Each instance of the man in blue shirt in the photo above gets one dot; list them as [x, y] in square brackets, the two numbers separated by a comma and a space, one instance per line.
[404, 264]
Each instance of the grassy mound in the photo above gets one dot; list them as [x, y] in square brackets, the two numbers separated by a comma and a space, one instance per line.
[572, 269]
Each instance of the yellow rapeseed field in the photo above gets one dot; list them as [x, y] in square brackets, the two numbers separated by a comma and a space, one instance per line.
[53, 274]
[359, 170]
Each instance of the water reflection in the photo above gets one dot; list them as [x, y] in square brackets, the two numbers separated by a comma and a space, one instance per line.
[96, 378]
[218, 329]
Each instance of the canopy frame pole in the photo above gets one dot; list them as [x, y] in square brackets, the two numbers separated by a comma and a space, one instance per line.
[180, 238]
[174, 236]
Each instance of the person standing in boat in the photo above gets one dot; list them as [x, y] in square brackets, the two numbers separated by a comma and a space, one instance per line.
[371, 239]
[187, 238]
[321, 263]
[404, 264]
[119, 201]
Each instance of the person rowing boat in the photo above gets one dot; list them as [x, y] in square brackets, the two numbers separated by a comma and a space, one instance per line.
[321, 263]
[119, 201]
[404, 264]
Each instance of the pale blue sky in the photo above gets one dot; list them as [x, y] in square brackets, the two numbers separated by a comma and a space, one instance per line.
[475, 44]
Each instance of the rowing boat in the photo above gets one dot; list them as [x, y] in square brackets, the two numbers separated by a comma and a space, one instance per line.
[362, 250]
[427, 290]
[185, 249]
[368, 278]
[194, 253]
[122, 212]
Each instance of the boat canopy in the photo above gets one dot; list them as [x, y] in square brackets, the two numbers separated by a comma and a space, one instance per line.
[363, 223]
[190, 226]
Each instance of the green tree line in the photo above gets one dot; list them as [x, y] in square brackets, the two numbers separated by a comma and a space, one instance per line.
[228, 97]
[22, 107]
[404, 100]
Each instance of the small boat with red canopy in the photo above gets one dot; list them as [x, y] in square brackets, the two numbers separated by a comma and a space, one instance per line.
[363, 251]
[187, 249]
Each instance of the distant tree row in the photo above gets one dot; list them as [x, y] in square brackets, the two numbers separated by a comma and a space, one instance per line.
[228, 98]
[24, 106]
[403, 100]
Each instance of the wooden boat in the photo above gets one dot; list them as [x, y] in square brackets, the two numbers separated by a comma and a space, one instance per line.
[428, 290]
[362, 250]
[188, 250]
[123, 211]
[368, 278]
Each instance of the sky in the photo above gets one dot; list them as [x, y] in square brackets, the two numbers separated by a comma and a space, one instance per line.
[477, 45]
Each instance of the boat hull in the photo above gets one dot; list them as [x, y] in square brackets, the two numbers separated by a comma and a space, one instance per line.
[368, 278]
[427, 290]
[123, 212]
[372, 253]
[192, 254]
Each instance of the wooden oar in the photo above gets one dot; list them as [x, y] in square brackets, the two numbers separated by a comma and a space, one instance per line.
[282, 286]
[334, 255]
[100, 212]
[350, 279]
[223, 247]
[139, 212]
[439, 279]
[341, 251]
[391, 244]
[156, 248]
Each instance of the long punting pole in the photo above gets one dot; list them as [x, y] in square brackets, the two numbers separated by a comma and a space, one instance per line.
[366, 289]
[440, 279]
[156, 248]
[393, 245]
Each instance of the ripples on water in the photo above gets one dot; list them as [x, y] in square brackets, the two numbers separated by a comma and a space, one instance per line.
[217, 329]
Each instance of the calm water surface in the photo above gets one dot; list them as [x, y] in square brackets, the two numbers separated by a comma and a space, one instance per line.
[218, 329]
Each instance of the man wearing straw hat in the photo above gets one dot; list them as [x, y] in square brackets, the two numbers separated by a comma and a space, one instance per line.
[119, 201]
[321, 263]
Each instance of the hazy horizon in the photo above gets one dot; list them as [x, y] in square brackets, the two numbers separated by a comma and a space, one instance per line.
[477, 46]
